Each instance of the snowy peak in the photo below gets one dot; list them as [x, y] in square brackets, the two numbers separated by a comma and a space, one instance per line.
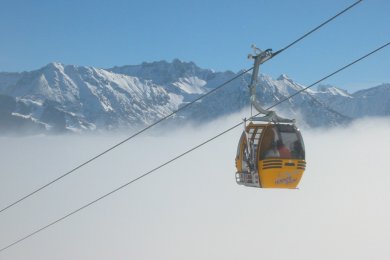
[181, 78]
[284, 77]
[283, 86]
[49, 82]
[383, 89]
[54, 66]
[163, 72]
[88, 98]
[369, 102]
[329, 89]
[77, 98]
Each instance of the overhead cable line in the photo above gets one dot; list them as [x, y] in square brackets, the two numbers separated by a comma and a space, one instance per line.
[330, 75]
[185, 153]
[171, 114]
[318, 27]
[124, 141]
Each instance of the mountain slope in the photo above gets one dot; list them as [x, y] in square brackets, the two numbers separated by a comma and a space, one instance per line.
[89, 98]
[75, 98]
[369, 102]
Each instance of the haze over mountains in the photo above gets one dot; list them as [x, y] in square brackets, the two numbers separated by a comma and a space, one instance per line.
[68, 98]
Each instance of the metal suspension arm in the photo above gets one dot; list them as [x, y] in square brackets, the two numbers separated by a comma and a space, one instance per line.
[259, 59]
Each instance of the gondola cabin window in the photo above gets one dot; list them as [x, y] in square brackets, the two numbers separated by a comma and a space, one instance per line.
[282, 141]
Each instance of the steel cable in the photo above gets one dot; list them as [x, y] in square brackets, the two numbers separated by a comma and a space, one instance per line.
[169, 115]
[186, 152]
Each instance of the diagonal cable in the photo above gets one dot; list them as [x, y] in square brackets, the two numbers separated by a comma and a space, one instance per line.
[183, 154]
[174, 112]
[124, 141]
[318, 27]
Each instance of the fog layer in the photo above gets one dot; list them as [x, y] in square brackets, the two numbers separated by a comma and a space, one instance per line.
[192, 208]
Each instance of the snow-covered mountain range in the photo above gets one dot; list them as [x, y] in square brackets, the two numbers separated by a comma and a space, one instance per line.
[58, 98]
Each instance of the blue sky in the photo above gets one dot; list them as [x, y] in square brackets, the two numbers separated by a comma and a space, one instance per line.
[213, 34]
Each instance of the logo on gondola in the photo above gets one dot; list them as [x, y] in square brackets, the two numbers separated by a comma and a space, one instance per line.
[285, 178]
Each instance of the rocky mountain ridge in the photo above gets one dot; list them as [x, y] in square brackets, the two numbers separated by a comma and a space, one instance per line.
[63, 98]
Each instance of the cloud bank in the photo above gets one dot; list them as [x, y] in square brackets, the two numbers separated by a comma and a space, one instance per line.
[192, 208]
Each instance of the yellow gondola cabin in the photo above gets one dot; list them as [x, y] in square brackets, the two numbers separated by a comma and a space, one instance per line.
[270, 152]
[270, 155]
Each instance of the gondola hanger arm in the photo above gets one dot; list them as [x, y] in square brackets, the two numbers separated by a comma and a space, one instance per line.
[259, 58]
